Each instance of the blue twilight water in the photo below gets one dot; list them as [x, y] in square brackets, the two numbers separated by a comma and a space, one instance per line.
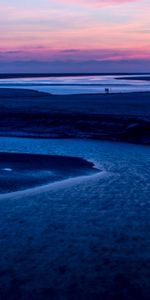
[87, 238]
[115, 158]
[78, 84]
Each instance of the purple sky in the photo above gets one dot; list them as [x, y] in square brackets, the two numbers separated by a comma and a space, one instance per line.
[74, 36]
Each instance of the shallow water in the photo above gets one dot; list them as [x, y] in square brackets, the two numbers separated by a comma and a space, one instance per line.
[85, 239]
[78, 84]
[19, 171]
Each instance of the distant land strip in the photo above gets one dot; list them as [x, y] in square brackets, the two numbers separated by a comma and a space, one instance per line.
[145, 78]
[37, 75]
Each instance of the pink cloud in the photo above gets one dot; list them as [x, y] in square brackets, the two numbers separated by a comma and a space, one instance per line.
[97, 2]
[75, 55]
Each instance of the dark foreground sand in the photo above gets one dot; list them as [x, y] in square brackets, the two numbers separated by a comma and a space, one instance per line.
[117, 117]
[22, 171]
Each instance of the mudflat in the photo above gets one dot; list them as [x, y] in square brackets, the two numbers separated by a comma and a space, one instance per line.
[117, 117]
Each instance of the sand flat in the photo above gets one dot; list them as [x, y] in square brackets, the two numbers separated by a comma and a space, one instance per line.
[117, 117]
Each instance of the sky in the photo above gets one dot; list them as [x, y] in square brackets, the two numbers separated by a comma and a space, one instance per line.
[74, 36]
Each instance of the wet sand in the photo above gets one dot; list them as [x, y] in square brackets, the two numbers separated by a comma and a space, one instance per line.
[85, 239]
[117, 117]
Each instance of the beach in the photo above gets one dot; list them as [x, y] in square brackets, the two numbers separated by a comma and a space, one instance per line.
[74, 196]
[117, 117]
[75, 150]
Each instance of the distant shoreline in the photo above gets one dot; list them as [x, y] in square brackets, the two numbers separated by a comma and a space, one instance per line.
[145, 78]
[37, 75]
